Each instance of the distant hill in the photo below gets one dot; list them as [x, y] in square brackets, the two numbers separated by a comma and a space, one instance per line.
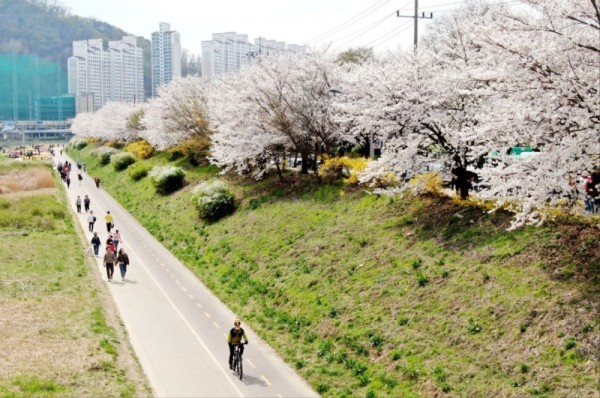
[43, 28]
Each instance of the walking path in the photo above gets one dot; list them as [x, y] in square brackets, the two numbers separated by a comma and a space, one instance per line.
[176, 325]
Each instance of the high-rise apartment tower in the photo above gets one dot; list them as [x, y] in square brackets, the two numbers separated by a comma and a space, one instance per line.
[166, 56]
[113, 74]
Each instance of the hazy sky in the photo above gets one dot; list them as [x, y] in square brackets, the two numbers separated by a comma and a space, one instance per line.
[342, 23]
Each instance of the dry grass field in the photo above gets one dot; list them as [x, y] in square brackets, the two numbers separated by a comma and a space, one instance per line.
[26, 180]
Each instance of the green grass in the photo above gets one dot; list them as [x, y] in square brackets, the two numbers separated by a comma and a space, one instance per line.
[55, 331]
[390, 296]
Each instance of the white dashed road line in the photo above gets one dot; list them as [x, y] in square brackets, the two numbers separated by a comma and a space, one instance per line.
[266, 380]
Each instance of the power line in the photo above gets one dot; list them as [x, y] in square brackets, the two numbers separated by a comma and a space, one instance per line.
[416, 18]
[391, 34]
[375, 6]
[363, 30]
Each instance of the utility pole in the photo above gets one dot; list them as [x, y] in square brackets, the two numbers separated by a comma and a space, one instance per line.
[416, 18]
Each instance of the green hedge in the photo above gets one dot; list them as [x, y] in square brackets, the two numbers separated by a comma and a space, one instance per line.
[122, 160]
[213, 200]
[167, 179]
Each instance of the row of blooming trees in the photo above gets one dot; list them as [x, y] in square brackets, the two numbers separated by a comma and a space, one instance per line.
[486, 78]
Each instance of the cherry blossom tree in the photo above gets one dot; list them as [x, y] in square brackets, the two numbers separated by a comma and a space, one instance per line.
[486, 80]
[280, 105]
[83, 125]
[179, 113]
[109, 123]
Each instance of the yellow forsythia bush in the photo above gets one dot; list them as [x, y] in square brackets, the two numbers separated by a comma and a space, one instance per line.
[141, 149]
[428, 183]
[343, 167]
[385, 180]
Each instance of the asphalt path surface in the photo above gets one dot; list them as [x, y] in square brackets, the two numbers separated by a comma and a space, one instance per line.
[176, 325]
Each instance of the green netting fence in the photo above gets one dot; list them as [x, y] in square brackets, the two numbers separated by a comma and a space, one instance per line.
[33, 89]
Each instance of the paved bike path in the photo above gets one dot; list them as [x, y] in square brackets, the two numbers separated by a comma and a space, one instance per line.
[176, 325]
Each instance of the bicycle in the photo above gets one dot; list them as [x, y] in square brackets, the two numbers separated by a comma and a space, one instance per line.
[237, 360]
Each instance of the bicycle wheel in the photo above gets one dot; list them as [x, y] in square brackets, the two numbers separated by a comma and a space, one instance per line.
[240, 372]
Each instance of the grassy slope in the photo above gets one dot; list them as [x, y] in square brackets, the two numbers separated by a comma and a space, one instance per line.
[373, 296]
[58, 333]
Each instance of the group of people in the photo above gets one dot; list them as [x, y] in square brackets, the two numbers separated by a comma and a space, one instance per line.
[113, 254]
[64, 169]
[86, 203]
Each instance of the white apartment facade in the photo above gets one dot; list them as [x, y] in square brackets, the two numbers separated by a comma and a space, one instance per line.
[166, 56]
[229, 52]
[112, 74]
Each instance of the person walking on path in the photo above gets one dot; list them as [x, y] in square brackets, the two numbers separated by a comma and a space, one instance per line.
[109, 221]
[78, 203]
[96, 244]
[86, 203]
[123, 261]
[110, 244]
[68, 180]
[80, 178]
[91, 220]
[109, 263]
[97, 181]
[116, 239]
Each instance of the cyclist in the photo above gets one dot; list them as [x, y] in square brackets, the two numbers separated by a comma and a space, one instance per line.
[235, 337]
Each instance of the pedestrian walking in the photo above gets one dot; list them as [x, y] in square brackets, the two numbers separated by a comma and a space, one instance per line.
[86, 203]
[123, 261]
[96, 244]
[79, 178]
[109, 263]
[91, 220]
[78, 203]
[68, 180]
[97, 181]
[110, 244]
[109, 221]
[116, 239]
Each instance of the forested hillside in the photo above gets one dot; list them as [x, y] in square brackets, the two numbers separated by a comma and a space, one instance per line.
[46, 29]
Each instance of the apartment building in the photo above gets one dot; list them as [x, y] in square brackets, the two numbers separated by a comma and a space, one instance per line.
[166, 56]
[112, 74]
[229, 52]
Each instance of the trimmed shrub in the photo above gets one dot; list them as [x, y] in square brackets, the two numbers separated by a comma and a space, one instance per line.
[122, 160]
[78, 143]
[138, 172]
[213, 200]
[141, 149]
[114, 144]
[104, 153]
[167, 179]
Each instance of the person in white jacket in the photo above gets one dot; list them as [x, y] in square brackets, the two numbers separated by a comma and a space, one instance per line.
[91, 220]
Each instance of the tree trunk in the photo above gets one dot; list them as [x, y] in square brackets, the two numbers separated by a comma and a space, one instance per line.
[304, 156]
